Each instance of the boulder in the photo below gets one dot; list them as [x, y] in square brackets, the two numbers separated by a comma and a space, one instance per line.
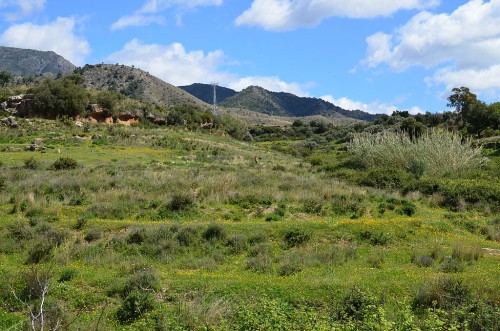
[96, 136]
[9, 122]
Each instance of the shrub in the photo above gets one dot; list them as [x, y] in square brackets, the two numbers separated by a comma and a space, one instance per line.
[357, 305]
[137, 236]
[296, 236]
[272, 217]
[466, 254]
[145, 280]
[65, 163]
[445, 293]
[439, 152]
[93, 235]
[67, 275]
[423, 261]
[408, 208]
[451, 265]
[236, 243]
[380, 239]
[289, 268]
[31, 163]
[187, 235]
[385, 178]
[214, 232]
[40, 251]
[134, 306]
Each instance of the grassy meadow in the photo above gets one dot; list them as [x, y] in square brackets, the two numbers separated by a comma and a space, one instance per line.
[148, 228]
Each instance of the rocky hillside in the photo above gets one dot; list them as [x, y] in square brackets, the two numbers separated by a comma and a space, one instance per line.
[205, 92]
[138, 85]
[28, 62]
[261, 100]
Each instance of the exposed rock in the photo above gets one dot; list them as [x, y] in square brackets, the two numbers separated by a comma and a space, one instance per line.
[128, 119]
[79, 124]
[21, 105]
[9, 122]
[35, 147]
[96, 136]
[38, 141]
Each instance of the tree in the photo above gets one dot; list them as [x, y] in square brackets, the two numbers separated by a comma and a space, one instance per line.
[66, 97]
[5, 77]
[475, 115]
[461, 99]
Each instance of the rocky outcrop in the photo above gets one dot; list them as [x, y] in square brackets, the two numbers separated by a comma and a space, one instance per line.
[20, 105]
[9, 122]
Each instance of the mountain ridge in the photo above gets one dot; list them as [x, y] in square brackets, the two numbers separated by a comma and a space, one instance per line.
[30, 62]
[260, 100]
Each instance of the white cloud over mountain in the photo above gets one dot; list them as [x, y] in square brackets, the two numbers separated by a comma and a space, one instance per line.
[174, 64]
[464, 46]
[283, 15]
[58, 36]
[375, 107]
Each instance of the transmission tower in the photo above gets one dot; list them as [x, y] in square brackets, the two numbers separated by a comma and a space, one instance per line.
[214, 86]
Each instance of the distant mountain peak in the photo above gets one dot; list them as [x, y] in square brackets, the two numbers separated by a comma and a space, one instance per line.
[30, 62]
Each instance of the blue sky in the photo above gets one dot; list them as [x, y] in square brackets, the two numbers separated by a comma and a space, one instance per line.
[376, 56]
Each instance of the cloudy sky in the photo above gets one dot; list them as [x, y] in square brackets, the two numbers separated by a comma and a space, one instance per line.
[376, 56]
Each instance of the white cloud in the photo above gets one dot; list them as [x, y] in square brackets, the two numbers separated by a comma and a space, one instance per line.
[282, 15]
[148, 14]
[271, 83]
[58, 36]
[375, 107]
[175, 65]
[21, 8]
[464, 45]
[136, 20]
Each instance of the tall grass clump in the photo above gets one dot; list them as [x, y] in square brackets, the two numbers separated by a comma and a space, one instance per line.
[436, 152]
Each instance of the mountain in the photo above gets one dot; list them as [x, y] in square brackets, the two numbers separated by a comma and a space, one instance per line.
[258, 99]
[29, 62]
[137, 84]
[205, 92]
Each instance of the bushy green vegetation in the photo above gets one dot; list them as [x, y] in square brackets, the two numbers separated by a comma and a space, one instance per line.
[181, 228]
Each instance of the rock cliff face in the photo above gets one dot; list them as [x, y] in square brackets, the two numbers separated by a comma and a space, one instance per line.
[29, 62]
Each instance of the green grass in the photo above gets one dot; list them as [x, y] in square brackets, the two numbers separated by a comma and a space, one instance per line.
[222, 262]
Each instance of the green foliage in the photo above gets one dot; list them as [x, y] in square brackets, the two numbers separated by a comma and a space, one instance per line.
[57, 98]
[65, 163]
[357, 305]
[31, 163]
[214, 232]
[134, 306]
[438, 152]
[296, 236]
[5, 77]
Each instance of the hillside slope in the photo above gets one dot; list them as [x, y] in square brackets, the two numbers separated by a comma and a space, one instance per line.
[29, 62]
[258, 99]
[138, 84]
[205, 93]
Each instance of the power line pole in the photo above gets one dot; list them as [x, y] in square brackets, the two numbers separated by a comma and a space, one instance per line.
[214, 86]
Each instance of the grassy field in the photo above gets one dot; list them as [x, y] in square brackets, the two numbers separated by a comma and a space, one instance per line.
[144, 228]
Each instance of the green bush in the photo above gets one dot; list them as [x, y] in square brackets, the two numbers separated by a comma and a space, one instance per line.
[93, 235]
[65, 163]
[446, 293]
[296, 236]
[214, 232]
[31, 163]
[134, 306]
[67, 275]
[408, 208]
[357, 305]
[436, 153]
